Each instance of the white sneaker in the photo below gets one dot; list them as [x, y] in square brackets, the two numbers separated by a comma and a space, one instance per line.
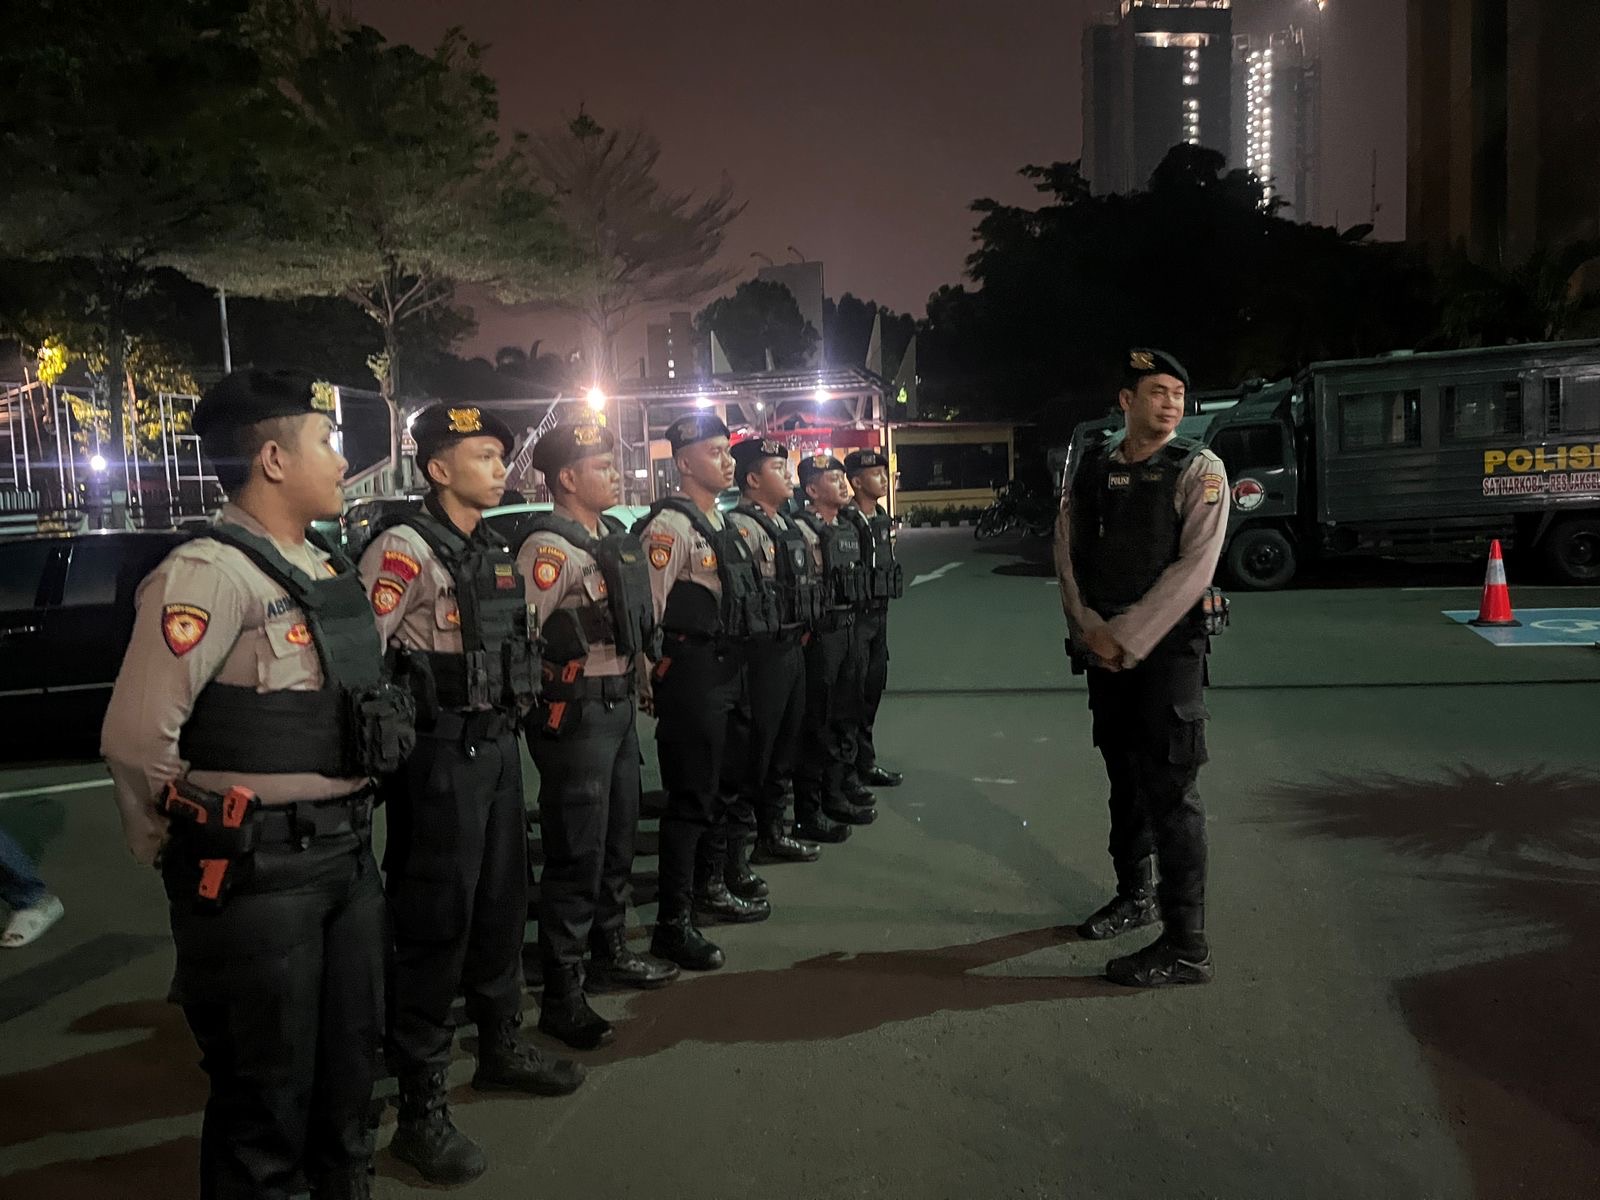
[28, 924]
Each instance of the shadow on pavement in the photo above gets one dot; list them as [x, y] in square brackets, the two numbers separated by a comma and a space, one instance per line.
[1512, 1042]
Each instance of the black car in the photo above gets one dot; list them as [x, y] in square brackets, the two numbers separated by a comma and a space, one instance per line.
[66, 614]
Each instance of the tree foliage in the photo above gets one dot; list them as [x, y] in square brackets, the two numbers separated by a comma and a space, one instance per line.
[847, 332]
[638, 243]
[759, 317]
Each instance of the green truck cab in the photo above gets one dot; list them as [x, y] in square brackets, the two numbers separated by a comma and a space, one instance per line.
[1409, 456]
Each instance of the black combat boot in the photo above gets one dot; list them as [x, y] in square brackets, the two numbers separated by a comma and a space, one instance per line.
[773, 845]
[819, 827]
[741, 880]
[846, 812]
[427, 1139]
[613, 966]
[1180, 955]
[715, 904]
[507, 1064]
[678, 941]
[859, 794]
[879, 776]
[1133, 907]
[564, 1012]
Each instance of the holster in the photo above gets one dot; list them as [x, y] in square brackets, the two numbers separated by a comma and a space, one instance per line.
[220, 829]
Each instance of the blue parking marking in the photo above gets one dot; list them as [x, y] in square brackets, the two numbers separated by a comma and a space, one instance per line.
[1540, 627]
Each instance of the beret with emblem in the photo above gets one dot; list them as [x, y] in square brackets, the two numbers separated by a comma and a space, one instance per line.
[566, 444]
[1143, 361]
[441, 425]
[251, 395]
[817, 464]
[696, 427]
[750, 453]
[863, 460]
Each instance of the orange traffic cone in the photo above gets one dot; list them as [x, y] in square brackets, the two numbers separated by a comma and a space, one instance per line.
[1495, 608]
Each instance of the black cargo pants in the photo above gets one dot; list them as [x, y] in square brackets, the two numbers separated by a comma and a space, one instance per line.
[1149, 726]
[588, 764]
[283, 991]
[768, 742]
[699, 689]
[833, 711]
[456, 865]
[872, 631]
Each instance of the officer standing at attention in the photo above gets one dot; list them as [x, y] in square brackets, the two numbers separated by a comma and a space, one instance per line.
[590, 587]
[827, 801]
[708, 602]
[451, 605]
[243, 732]
[868, 473]
[1137, 539]
[777, 665]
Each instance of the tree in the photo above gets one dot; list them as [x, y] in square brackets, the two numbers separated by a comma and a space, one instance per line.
[847, 332]
[1554, 294]
[638, 243]
[124, 141]
[759, 317]
[396, 188]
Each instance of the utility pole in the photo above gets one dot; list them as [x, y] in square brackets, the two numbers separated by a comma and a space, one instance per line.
[222, 317]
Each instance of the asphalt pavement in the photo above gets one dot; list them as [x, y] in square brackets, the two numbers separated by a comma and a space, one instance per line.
[1404, 909]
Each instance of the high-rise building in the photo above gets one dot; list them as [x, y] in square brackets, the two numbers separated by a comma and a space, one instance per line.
[1277, 118]
[1503, 119]
[1155, 73]
[671, 350]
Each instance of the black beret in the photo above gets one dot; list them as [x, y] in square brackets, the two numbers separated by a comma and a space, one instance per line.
[817, 464]
[566, 444]
[696, 427]
[442, 425]
[1145, 361]
[251, 395]
[863, 460]
[748, 454]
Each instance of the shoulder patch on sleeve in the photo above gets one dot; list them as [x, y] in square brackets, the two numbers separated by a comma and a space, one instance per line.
[547, 564]
[401, 565]
[182, 627]
[386, 596]
[1212, 484]
[660, 553]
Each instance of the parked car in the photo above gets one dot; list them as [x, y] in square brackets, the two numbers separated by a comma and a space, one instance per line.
[66, 614]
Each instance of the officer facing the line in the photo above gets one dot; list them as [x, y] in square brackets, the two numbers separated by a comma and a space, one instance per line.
[868, 473]
[244, 729]
[1137, 539]
[827, 800]
[590, 587]
[776, 664]
[448, 599]
[708, 602]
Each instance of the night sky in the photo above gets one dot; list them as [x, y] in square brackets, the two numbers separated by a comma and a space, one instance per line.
[859, 131]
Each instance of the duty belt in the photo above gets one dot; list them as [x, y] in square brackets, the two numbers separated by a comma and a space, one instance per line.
[298, 823]
[592, 687]
[787, 635]
[469, 727]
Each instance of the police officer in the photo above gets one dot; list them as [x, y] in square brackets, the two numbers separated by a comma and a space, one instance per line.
[776, 665]
[244, 729]
[827, 801]
[590, 588]
[708, 602]
[450, 604]
[868, 473]
[1140, 528]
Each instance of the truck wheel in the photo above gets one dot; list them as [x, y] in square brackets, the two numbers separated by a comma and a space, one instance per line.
[1572, 549]
[1261, 560]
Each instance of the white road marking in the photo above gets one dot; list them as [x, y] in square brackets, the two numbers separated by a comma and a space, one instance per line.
[936, 573]
[52, 789]
[976, 779]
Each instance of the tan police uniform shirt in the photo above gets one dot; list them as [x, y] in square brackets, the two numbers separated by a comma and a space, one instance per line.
[677, 552]
[206, 613]
[1201, 501]
[413, 594]
[556, 575]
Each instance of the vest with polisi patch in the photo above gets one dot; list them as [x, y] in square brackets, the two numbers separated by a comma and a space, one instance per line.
[626, 617]
[744, 609]
[843, 567]
[796, 587]
[885, 579]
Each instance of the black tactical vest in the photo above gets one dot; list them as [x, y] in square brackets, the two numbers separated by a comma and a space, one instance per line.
[843, 567]
[355, 724]
[885, 579]
[745, 609]
[797, 589]
[626, 618]
[499, 665]
[1126, 529]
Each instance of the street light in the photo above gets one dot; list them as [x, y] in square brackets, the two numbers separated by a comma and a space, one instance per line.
[595, 398]
[97, 462]
[821, 395]
[702, 402]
